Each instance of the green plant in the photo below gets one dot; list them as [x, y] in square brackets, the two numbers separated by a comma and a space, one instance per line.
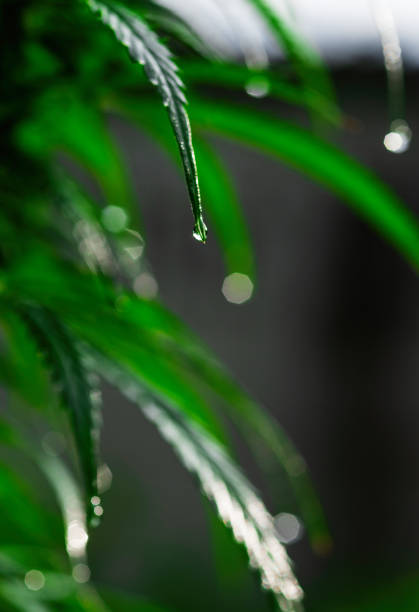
[68, 262]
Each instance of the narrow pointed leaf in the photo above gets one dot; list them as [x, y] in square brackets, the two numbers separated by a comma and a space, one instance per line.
[145, 48]
[236, 501]
[258, 427]
[154, 346]
[224, 211]
[78, 396]
[299, 148]
[64, 122]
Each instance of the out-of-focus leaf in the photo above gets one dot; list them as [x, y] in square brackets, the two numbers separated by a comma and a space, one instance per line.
[307, 63]
[154, 346]
[70, 502]
[237, 503]
[261, 430]
[79, 397]
[24, 520]
[70, 296]
[124, 602]
[64, 122]
[238, 76]
[145, 48]
[221, 200]
[21, 369]
[373, 591]
[315, 157]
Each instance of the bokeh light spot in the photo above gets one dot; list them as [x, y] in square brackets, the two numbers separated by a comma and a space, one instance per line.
[237, 288]
[114, 219]
[34, 580]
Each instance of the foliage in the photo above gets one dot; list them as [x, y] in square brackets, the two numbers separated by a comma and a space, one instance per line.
[68, 262]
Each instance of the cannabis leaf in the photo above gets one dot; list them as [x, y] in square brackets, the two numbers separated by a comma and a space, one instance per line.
[78, 396]
[237, 503]
[145, 48]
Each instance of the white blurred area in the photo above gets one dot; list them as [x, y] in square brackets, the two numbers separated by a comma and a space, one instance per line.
[343, 31]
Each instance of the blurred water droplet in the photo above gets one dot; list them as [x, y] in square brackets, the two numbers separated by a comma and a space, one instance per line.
[98, 510]
[114, 218]
[237, 288]
[398, 139]
[95, 501]
[145, 285]
[289, 527]
[81, 573]
[34, 580]
[257, 87]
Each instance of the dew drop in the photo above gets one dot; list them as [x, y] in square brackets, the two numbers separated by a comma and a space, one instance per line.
[81, 573]
[398, 139]
[34, 580]
[257, 87]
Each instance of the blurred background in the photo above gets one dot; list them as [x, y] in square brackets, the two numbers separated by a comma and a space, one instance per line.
[329, 342]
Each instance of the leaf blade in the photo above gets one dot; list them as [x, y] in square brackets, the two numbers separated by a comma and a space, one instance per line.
[77, 394]
[237, 503]
[145, 48]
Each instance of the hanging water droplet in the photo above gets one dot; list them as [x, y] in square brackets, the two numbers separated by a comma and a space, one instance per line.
[399, 137]
[257, 87]
[200, 231]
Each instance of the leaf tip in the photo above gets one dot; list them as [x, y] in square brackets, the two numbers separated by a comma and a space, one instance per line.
[200, 231]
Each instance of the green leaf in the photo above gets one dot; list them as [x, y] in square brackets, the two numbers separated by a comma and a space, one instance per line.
[145, 48]
[63, 121]
[21, 368]
[78, 396]
[237, 503]
[259, 428]
[307, 63]
[196, 72]
[155, 347]
[299, 148]
[222, 205]
[79, 301]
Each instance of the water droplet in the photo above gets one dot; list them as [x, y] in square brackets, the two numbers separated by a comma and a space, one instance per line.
[398, 139]
[237, 288]
[289, 527]
[34, 580]
[81, 573]
[145, 285]
[98, 510]
[257, 87]
[114, 218]
[200, 231]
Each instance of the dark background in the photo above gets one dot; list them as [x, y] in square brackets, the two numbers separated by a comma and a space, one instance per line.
[329, 342]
